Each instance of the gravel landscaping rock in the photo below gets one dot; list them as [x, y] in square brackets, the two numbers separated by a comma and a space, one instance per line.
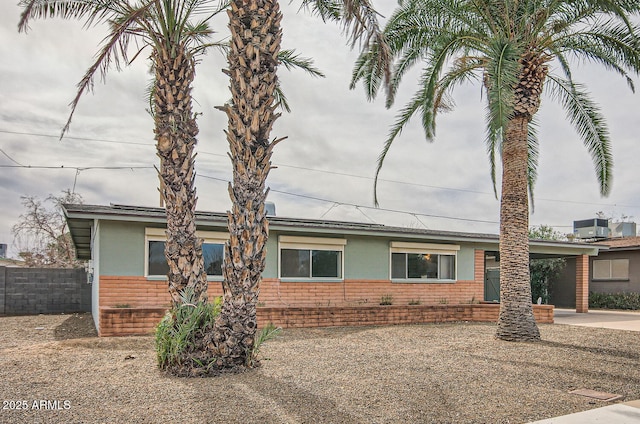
[58, 371]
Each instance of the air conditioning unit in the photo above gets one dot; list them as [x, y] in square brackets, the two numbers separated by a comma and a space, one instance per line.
[622, 229]
[595, 228]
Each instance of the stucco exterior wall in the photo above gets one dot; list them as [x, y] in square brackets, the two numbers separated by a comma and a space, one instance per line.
[617, 286]
[122, 253]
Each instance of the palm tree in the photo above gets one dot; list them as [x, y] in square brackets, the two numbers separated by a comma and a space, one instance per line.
[509, 46]
[175, 39]
[253, 58]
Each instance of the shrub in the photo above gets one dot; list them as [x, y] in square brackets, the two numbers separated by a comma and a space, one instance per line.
[614, 300]
[178, 332]
[387, 299]
[267, 333]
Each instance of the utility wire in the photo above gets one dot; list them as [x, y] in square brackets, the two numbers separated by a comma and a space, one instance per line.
[357, 206]
[77, 168]
[308, 169]
[76, 138]
[10, 158]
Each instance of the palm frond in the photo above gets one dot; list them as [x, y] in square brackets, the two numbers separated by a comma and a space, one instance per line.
[291, 60]
[367, 70]
[92, 11]
[493, 143]
[110, 52]
[586, 118]
[417, 102]
[359, 21]
[500, 80]
[533, 154]
[611, 46]
[280, 99]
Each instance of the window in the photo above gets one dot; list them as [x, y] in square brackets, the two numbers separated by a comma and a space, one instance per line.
[611, 269]
[422, 261]
[212, 252]
[311, 258]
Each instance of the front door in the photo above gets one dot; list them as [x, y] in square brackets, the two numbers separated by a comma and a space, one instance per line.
[492, 285]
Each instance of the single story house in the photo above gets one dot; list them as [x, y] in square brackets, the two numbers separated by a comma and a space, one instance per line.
[614, 270]
[324, 266]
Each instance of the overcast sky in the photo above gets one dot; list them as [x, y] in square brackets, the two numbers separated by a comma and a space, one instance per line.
[334, 137]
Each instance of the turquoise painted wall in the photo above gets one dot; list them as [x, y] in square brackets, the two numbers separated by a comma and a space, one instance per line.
[466, 262]
[366, 258]
[121, 248]
[271, 266]
[122, 253]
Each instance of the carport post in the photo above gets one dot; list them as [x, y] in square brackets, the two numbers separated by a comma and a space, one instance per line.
[582, 284]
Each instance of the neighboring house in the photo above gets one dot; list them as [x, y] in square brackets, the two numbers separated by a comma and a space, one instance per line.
[309, 263]
[616, 270]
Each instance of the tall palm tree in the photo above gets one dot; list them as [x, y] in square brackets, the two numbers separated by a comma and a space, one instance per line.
[175, 32]
[508, 46]
[253, 58]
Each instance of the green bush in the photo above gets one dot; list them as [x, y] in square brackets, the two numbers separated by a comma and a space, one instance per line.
[386, 299]
[178, 331]
[269, 332]
[614, 300]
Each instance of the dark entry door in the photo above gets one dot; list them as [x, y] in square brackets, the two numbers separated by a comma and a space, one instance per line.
[492, 285]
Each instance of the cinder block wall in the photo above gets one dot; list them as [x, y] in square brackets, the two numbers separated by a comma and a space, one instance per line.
[3, 271]
[44, 291]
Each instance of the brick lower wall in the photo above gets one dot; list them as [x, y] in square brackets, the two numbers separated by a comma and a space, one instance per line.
[139, 292]
[307, 304]
[140, 321]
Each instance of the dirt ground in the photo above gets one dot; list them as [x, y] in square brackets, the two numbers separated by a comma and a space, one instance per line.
[53, 369]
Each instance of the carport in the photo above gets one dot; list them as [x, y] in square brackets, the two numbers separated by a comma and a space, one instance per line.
[571, 288]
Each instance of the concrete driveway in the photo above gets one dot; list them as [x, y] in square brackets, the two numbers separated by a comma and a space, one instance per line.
[617, 320]
[618, 413]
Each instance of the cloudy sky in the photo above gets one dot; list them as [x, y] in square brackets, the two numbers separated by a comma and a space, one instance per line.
[324, 168]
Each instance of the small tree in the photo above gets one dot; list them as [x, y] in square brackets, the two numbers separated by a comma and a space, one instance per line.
[41, 234]
[544, 271]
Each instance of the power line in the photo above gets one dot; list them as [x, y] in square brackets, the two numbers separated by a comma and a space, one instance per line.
[10, 158]
[357, 206]
[76, 138]
[76, 168]
[345, 174]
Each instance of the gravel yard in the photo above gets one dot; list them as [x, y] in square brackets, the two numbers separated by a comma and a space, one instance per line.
[437, 373]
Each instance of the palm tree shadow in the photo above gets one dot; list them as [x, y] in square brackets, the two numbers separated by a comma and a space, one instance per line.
[603, 351]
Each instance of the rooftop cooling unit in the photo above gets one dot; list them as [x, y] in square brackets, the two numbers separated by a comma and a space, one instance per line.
[622, 229]
[3, 250]
[595, 228]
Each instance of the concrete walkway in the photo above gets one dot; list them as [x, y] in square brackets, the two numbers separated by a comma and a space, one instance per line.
[617, 320]
[617, 413]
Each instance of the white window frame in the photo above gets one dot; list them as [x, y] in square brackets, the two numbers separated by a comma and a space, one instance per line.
[423, 249]
[610, 276]
[311, 243]
[160, 234]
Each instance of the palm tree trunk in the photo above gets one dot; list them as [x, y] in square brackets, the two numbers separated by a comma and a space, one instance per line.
[253, 58]
[516, 321]
[176, 130]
